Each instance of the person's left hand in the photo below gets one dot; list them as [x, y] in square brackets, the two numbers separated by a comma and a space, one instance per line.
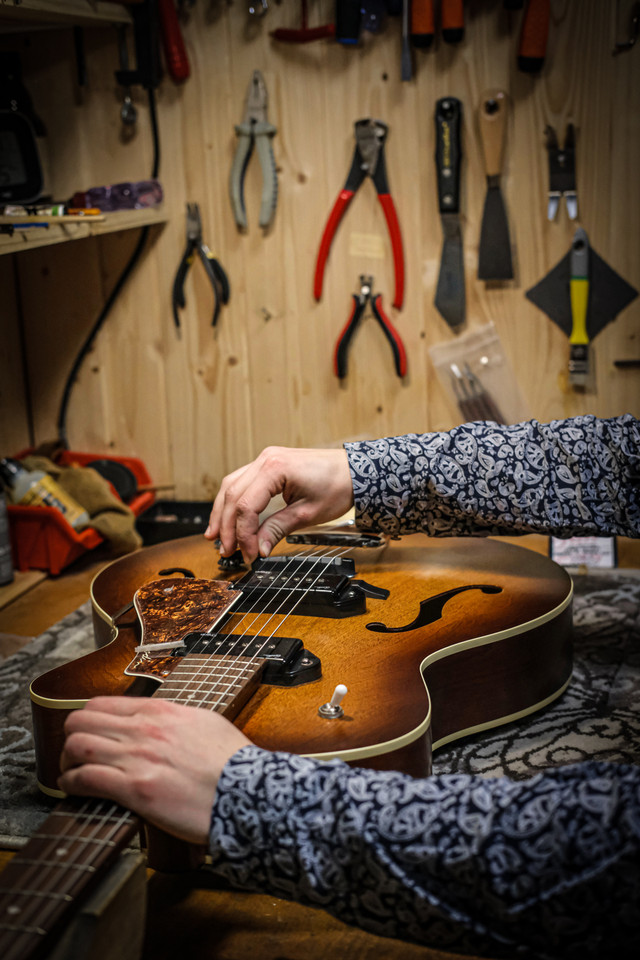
[157, 758]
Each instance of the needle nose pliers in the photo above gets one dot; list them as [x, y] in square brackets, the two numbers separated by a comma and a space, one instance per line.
[368, 161]
[214, 270]
[254, 129]
[360, 301]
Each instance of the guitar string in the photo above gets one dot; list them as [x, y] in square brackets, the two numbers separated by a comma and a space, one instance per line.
[254, 590]
[84, 844]
[229, 663]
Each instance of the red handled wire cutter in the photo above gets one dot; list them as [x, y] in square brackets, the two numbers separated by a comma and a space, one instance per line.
[368, 161]
[359, 304]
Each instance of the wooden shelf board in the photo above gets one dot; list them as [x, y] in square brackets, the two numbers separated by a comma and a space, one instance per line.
[63, 232]
[81, 12]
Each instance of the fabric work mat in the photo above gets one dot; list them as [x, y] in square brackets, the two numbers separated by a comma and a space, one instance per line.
[598, 717]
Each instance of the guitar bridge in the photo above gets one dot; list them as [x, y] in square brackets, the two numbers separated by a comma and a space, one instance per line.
[288, 664]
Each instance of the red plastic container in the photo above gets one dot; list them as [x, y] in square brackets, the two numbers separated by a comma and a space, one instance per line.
[41, 538]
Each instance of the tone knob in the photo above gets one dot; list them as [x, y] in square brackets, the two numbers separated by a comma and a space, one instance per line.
[332, 710]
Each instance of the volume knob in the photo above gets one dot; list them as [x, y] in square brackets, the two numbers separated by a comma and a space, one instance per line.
[332, 710]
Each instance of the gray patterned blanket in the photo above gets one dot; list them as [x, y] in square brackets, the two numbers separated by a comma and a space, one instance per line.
[598, 717]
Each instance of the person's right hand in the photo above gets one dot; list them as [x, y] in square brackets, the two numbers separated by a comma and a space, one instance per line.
[315, 485]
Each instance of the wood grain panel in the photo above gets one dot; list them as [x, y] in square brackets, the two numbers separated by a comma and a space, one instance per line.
[199, 403]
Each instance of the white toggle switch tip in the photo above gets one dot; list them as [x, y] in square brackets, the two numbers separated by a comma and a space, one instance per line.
[338, 694]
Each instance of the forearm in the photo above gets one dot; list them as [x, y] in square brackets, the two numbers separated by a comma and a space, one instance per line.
[567, 478]
[457, 862]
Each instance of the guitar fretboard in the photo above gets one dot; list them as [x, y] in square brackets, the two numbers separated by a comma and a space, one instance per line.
[222, 684]
[63, 859]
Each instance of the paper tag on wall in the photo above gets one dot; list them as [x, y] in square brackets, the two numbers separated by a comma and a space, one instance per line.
[595, 552]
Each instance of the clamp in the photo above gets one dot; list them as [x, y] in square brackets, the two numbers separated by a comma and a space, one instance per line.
[359, 304]
[368, 161]
[256, 130]
[562, 172]
[215, 273]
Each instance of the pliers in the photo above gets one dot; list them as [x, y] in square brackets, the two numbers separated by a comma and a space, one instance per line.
[368, 161]
[562, 172]
[254, 129]
[214, 270]
[359, 304]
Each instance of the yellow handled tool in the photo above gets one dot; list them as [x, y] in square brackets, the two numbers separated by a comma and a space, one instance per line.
[579, 289]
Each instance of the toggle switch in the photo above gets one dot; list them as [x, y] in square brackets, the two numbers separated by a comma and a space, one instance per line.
[332, 710]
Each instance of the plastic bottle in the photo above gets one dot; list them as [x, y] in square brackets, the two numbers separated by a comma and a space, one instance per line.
[35, 488]
[6, 563]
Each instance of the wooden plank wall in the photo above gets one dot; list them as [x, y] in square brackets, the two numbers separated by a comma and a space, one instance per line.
[199, 404]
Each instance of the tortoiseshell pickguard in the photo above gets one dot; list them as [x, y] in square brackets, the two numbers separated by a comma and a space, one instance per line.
[168, 610]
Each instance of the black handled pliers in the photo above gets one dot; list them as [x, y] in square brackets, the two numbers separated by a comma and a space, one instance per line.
[368, 161]
[360, 302]
[217, 277]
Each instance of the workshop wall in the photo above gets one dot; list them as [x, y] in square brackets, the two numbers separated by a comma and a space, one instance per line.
[198, 403]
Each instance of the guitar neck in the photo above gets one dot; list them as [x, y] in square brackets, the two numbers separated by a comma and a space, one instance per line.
[80, 840]
[59, 865]
[220, 684]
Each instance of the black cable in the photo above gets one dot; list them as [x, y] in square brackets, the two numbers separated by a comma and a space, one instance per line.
[113, 296]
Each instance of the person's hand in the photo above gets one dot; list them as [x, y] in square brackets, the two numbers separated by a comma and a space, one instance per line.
[157, 758]
[315, 484]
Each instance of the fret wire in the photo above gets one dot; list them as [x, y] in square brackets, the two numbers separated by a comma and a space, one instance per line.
[36, 893]
[76, 839]
[16, 928]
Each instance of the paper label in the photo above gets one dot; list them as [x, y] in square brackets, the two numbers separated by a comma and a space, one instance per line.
[595, 552]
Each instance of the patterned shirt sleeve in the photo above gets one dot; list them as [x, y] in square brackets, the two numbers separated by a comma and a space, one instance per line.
[546, 867]
[566, 478]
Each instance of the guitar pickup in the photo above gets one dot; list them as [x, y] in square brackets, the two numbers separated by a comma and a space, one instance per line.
[307, 586]
[288, 664]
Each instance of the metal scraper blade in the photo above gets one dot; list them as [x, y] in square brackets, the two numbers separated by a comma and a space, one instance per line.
[494, 256]
[450, 292]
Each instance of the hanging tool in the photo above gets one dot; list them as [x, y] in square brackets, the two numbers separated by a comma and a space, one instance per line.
[304, 34]
[254, 129]
[634, 27]
[175, 53]
[562, 172]
[452, 20]
[368, 161]
[581, 294]
[360, 302]
[422, 24]
[348, 21]
[450, 291]
[215, 273]
[474, 400]
[533, 36]
[494, 255]
[128, 110]
[406, 67]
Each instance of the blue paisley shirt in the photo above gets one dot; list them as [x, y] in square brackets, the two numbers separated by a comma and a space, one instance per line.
[545, 867]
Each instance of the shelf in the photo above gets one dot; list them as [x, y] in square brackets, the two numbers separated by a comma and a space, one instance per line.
[79, 230]
[33, 13]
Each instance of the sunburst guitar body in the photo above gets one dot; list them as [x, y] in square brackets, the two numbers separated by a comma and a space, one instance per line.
[433, 639]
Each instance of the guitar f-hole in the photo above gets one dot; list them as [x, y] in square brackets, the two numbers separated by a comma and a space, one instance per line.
[171, 570]
[431, 609]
